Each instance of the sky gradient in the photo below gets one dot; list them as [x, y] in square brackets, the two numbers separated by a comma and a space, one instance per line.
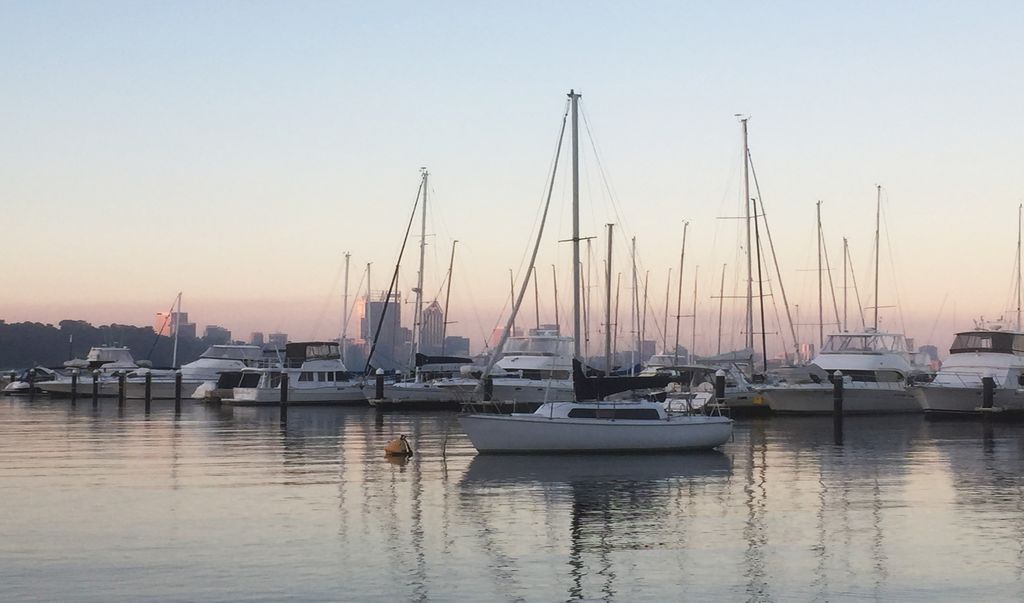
[235, 151]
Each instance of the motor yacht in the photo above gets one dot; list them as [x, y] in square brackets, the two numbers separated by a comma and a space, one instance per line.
[316, 375]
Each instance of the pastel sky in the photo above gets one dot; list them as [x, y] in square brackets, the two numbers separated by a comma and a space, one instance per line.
[236, 150]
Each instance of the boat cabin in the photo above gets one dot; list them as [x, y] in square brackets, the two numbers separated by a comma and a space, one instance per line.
[990, 342]
[865, 343]
[298, 353]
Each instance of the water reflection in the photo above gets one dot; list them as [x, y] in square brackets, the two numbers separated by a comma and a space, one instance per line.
[250, 507]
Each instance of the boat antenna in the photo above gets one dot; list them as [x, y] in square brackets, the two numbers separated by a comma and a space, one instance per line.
[679, 295]
[447, 297]
[394, 281]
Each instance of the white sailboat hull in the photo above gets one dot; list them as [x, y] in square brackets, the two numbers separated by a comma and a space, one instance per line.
[521, 433]
[858, 398]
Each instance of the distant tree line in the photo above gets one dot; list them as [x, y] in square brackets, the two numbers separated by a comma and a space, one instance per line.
[27, 344]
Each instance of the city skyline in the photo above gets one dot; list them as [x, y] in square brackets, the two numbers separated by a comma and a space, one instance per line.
[260, 162]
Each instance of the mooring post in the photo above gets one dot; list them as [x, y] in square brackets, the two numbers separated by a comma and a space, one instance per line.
[74, 387]
[177, 393]
[95, 388]
[837, 406]
[149, 390]
[284, 396]
[720, 387]
[378, 390]
[488, 388]
[988, 392]
[31, 384]
[121, 393]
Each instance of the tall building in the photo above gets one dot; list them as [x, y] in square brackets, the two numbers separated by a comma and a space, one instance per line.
[392, 342]
[214, 334]
[256, 338]
[165, 322]
[456, 346]
[278, 340]
[433, 329]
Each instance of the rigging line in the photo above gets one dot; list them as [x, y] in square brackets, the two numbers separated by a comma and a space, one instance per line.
[162, 327]
[604, 174]
[775, 258]
[493, 358]
[938, 316]
[856, 292]
[892, 267]
[327, 301]
[831, 286]
[394, 279]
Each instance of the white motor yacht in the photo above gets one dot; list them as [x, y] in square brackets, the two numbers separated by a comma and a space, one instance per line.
[109, 362]
[876, 369]
[535, 369]
[316, 375]
[437, 385]
[28, 381]
[958, 387]
[206, 369]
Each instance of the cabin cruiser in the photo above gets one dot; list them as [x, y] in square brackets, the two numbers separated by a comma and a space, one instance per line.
[535, 369]
[438, 384]
[316, 375]
[959, 386]
[876, 369]
[204, 370]
[107, 362]
[29, 380]
[694, 384]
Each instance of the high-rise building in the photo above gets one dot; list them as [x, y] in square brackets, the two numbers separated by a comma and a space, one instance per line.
[392, 342]
[256, 338]
[214, 334]
[166, 321]
[456, 346]
[278, 340]
[433, 329]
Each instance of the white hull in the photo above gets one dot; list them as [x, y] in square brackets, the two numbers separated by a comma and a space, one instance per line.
[520, 433]
[423, 392]
[246, 396]
[858, 398]
[937, 399]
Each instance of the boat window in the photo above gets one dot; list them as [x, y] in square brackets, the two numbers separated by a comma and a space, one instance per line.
[864, 343]
[987, 341]
[872, 376]
[536, 346]
[306, 376]
[614, 413]
[247, 380]
[275, 380]
[322, 376]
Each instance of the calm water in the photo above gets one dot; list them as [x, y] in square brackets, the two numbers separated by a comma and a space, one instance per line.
[225, 504]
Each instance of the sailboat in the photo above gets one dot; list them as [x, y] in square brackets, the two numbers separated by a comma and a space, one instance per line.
[593, 426]
[985, 369]
[876, 366]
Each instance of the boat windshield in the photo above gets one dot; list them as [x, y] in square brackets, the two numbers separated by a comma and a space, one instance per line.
[864, 343]
[535, 346]
[987, 341]
[233, 352]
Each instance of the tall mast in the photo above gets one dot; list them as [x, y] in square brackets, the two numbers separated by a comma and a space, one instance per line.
[846, 254]
[554, 282]
[746, 206]
[588, 286]
[643, 320]
[634, 328]
[618, 287]
[664, 322]
[175, 322]
[679, 296]
[512, 296]
[1018, 265]
[821, 311]
[878, 249]
[760, 296]
[536, 298]
[721, 299]
[344, 311]
[417, 331]
[447, 298]
[576, 330]
[693, 319]
[608, 305]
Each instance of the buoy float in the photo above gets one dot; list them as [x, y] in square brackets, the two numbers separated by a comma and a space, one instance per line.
[398, 447]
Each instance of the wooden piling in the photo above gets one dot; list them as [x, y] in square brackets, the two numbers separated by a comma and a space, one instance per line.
[837, 407]
[31, 385]
[95, 388]
[74, 387]
[149, 390]
[378, 391]
[720, 387]
[988, 392]
[121, 393]
[177, 393]
[284, 396]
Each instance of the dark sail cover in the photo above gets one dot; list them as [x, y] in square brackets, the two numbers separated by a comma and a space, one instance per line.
[423, 359]
[596, 388]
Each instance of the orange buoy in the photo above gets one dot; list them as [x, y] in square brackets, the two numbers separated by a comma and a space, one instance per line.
[398, 447]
